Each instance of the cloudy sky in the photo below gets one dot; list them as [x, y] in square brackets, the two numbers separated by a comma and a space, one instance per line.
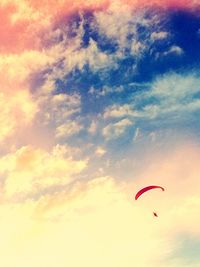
[98, 99]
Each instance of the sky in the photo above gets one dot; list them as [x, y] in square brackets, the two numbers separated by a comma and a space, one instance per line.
[99, 99]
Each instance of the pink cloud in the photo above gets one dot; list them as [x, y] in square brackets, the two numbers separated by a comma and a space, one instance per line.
[22, 22]
[162, 3]
[13, 37]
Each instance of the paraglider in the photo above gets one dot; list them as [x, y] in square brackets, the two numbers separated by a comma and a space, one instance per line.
[145, 189]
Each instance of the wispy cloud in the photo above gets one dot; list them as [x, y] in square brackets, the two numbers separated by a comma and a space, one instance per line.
[159, 35]
[117, 129]
[168, 94]
[68, 129]
[118, 111]
[56, 109]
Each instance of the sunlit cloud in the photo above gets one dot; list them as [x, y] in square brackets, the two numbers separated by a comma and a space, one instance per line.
[28, 171]
[56, 109]
[103, 214]
[117, 111]
[18, 110]
[68, 129]
[100, 151]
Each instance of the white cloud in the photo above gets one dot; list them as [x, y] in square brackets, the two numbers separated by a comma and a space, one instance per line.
[105, 90]
[174, 93]
[118, 23]
[91, 55]
[137, 134]
[117, 111]
[174, 50]
[56, 109]
[96, 58]
[115, 24]
[68, 129]
[137, 48]
[159, 35]
[100, 151]
[115, 130]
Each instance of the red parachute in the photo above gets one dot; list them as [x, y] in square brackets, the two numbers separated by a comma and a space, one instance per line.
[147, 188]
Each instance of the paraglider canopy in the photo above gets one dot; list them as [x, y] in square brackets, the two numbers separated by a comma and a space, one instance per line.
[147, 188]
